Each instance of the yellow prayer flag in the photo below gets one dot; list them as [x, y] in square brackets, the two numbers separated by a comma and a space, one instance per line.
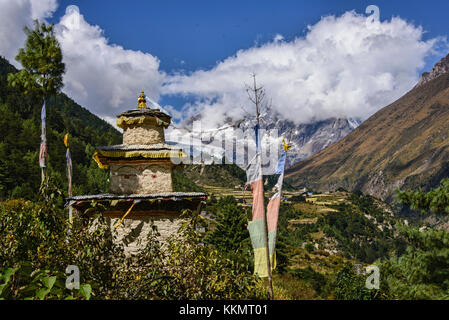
[66, 140]
[286, 146]
[260, 262]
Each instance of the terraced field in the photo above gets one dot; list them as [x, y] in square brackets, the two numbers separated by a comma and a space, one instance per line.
[239, 193]
[220, 192]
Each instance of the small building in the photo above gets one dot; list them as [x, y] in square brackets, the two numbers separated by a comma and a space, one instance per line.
[141, 185]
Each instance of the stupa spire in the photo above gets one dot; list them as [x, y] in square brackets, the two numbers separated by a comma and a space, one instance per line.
[141, 101]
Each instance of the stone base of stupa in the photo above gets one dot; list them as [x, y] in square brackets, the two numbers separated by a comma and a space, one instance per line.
[133, 232]
[163, 210]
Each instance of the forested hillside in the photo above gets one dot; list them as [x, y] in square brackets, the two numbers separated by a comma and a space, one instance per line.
[20, 130]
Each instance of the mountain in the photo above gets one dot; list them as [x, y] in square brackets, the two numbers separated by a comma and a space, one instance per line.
[404, 145]
[441, 67]
[20, 130]
[310, 138]
[305, 139]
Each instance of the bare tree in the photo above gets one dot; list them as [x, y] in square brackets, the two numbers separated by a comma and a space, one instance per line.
[257, 96]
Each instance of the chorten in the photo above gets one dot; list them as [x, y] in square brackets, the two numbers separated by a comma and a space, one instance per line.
[141, 185]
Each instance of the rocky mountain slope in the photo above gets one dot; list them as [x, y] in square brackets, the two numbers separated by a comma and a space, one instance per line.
[440, 68]
[310, 138]
[305, 139]
[405, 144]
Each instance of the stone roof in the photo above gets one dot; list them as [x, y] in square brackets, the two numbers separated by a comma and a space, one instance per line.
[165, 195]
[167, 203]
[145, 113]
[138, 147]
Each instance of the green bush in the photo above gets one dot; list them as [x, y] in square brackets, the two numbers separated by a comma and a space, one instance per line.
[350, 286]
[422, 272]
[37, 244]
[317, 280]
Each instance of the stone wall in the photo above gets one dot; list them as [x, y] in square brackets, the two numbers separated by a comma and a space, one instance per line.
[133, 232]
[143, 134]
[141, 178]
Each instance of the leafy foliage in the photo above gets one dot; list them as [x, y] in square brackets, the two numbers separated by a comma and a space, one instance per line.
[202, 272]
[350, 286]
[230, 231]
[37, 244]
[358, 236]
[24, 283]
[181, 182]
[436, 200]
[422, 272]
[317, 280]
[42, 62]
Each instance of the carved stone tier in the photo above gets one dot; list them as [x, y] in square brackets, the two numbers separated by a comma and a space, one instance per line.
[145, 126]
[139, 169]
[142, 178]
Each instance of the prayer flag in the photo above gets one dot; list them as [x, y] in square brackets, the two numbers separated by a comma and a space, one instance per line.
[273, 209]
[256, 227]
[69, 170]
[43, 155]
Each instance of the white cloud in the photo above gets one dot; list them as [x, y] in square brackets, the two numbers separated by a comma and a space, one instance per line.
[43, 8]
[173, 112]
[16, 14]
[104, 77]
[343, 66]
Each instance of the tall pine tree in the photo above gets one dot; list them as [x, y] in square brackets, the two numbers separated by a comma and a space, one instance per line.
[230, 233]
[41, 60]
[42, 73]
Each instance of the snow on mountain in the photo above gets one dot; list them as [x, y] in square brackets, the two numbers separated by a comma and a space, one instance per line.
[236, 143]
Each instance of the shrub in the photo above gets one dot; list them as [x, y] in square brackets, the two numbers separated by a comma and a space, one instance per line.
[37, 244]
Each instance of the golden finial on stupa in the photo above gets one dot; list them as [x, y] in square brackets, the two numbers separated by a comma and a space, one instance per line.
[141, 101]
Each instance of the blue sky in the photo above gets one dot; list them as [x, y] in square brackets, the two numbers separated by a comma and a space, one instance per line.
[316, 59]
[200, 33]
